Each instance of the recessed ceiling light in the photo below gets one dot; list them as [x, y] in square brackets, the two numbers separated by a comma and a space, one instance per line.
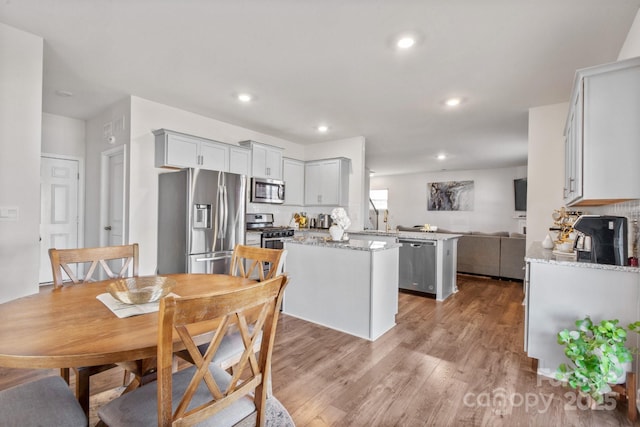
[452, 102]
[441, 156]
[405, 42]
[323, 128]
[244, 97]
[64, 93]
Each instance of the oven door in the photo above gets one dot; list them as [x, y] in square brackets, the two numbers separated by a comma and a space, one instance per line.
[272, 243]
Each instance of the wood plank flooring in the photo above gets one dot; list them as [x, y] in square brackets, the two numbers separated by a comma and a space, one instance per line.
[454, 363]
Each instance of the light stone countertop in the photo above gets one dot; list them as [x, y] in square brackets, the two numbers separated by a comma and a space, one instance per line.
[536, 253]
[353, 244]
[418, 235]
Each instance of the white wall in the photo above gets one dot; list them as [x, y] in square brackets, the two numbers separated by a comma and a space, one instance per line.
[20, 136]
[631, 46]
[63, 135]
[546, 167]
[493, 200]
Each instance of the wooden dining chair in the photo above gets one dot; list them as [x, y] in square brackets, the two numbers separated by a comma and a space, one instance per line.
[45, 402]
[246, 261]
[205, 392]
[253, 262]
[80, 265]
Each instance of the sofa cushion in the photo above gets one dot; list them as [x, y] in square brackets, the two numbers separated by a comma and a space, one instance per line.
[479, 255]
[512, 250]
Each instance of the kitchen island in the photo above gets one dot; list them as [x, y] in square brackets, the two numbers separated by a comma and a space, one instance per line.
[348, 286]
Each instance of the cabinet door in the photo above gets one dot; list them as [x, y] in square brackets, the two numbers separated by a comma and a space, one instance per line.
[612, 134]
[312, 184]
[573, 152]
[259, 161]
[293, 175]
[330, 172]
[240, 160]
[274, 164]
[181, 151]
[214, 157]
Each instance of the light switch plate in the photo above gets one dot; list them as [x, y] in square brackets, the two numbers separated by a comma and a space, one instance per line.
[9, 213]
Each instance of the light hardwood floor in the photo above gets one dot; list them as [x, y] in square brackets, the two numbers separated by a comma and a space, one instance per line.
[445, 363]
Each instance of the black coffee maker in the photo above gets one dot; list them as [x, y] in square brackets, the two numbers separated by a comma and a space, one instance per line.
[602, 239]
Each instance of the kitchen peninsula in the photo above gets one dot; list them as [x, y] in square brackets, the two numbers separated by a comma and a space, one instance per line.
[348, 286]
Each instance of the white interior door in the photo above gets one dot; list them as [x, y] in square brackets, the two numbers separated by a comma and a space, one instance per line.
[58, 209]
[112, 202]
[115, 210]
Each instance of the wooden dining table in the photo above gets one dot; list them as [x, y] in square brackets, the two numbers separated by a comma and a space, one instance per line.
[69, 327]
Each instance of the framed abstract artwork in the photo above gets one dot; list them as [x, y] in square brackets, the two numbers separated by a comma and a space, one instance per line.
[450, 196]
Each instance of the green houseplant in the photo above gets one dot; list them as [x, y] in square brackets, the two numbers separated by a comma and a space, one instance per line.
[597, 353]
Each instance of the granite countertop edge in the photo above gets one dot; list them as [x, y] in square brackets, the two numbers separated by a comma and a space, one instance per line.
[357, 245]
[420, 235]
[537, 254]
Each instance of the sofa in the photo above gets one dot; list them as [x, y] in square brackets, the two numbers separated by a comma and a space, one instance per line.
[499, 255]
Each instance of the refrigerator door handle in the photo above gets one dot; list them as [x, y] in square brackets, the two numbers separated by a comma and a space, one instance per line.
[220, 213]
[215, 258]
[225, 206]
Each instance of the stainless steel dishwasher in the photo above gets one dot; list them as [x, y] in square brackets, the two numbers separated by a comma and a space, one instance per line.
[418, 266]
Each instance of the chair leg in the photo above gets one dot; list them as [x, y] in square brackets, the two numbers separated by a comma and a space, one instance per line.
[64, 373]
[82, 388]
[632, 412]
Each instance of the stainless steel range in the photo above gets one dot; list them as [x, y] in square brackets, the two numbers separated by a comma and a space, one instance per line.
[271, 237]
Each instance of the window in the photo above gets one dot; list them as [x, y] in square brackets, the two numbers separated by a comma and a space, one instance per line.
[379, 198]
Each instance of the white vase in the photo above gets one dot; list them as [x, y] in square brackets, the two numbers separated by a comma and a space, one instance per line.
[547, 243]
[336, 232]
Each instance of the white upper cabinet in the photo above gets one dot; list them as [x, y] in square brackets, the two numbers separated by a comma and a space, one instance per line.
[239, 160]
[327, 182]
[602, 135]
[293, 176]
[266, 160]
[178, 150]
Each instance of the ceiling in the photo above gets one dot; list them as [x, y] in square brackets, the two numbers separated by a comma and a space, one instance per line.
[308, 62]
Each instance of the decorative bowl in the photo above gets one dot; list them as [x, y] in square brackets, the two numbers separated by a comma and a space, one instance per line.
[141, 290]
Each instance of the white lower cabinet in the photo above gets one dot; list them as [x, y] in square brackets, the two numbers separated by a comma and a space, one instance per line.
[327, 182]
[557, 295]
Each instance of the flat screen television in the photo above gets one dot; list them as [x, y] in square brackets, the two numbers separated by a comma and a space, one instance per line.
[520, 194]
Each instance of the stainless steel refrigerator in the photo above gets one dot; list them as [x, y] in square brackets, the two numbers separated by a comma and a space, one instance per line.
[201, 217]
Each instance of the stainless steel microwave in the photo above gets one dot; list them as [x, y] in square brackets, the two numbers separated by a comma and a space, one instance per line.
[265, 190]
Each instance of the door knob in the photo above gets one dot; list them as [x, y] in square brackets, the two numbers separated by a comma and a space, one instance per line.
[108, 228]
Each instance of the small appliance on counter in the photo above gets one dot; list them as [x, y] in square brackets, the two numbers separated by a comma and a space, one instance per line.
[324, 221]
[601, 239]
